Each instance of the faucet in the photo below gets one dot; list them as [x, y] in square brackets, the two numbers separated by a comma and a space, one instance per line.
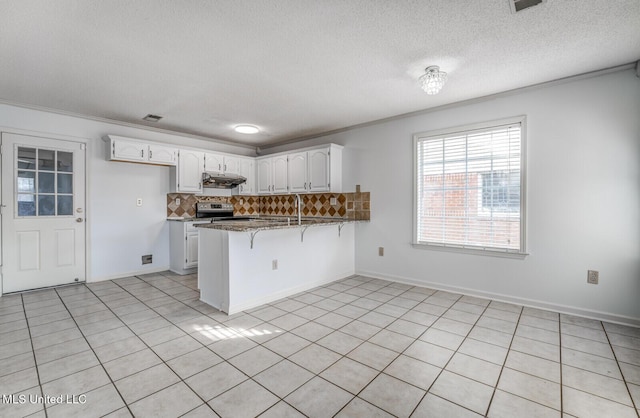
[299, 206]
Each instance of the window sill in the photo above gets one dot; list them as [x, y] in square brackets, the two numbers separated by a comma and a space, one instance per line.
[468, 250]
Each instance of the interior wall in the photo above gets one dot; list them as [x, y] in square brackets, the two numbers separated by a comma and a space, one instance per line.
[119, 231]
[583, 200]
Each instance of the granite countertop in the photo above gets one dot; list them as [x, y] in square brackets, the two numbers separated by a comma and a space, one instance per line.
[260, 224]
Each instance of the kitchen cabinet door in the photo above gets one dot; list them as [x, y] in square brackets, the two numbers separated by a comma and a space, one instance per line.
[159, 154]
[231, 165]
[264, 175]
[247, 170]
[191, 250]
[279, 181]
[318, 170]
[190, 169]
[124, 150]
[213, 163]
[297, 172]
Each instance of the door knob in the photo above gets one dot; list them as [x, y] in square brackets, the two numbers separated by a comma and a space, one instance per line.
[79, 220]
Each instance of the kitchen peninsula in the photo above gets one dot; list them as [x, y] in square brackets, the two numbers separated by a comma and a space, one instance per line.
[246, 264]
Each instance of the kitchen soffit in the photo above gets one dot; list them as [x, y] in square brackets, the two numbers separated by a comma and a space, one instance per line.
[294, 68]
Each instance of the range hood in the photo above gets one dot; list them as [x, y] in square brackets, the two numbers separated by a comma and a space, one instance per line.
[221, 181]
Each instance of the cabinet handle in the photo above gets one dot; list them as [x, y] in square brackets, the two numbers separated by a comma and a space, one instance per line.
[219, 167]
[142, 153]
[150, 154]
[225, 167]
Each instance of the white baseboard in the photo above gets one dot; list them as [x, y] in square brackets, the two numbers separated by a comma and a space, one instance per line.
[254, 303]
[129, 274]
[570, 310]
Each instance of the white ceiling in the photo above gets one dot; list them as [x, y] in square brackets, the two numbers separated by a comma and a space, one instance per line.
[295, 68]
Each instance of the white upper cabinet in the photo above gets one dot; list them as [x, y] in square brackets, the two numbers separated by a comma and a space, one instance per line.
[298, 172]
[222, 164]
[264, 175]
[232, 164]
[280, 180]
[319, 170]
[246, 168]
[189, 172]
[272, 175]
[160, 154]
[130, 150]
[127, 150]
[213, 163]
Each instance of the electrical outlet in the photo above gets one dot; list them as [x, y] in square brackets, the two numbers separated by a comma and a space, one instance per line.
[139, 201]
[381, 251]
[333, 201]
[241, 201]
[178, 201]
[147, 259]
[593, 276]
[274, 265]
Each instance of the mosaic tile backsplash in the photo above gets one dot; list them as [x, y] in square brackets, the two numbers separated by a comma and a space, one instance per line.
[347, 205]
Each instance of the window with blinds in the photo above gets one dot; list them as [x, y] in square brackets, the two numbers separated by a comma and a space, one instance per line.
[469, 188]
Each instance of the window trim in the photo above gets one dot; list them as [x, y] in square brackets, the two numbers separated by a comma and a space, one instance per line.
[469, 249]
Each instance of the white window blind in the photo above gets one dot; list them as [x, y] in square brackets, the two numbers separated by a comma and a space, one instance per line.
[469, 189]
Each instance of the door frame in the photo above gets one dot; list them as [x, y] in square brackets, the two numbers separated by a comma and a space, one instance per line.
[88, 149]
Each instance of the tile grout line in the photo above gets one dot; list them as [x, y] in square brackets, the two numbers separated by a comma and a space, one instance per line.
[94, 353]
[151, 348]
[33, 352]
[624, 379]
[513, 336]
[443, 368]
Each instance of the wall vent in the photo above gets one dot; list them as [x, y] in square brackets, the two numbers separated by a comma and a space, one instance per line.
[152, 118]
[520, 5]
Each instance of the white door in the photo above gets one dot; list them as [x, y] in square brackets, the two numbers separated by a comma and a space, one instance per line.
[43, 212]
[191, 250]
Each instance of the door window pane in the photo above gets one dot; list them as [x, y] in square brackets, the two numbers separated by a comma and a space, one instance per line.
[65, 183]
[26, 182]
[27, 158]
[65, 205]
[46, 159]
[26, 205]
[46, 205]
[46, 183]
[65, 161]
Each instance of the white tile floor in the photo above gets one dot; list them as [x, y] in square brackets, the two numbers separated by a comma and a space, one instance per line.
[360, 347]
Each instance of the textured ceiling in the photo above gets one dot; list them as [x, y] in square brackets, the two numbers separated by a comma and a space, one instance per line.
[295, 68]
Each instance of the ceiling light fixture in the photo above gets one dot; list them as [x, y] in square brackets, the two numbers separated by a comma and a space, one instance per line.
[247, 129]
[433, 79]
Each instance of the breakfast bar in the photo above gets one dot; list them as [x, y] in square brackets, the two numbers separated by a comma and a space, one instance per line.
[246, 264]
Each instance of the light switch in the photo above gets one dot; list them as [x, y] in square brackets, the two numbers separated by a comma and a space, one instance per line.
[139, 201]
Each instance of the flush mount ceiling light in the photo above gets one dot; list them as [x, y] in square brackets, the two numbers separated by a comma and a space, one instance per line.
[247, 129]
[433, 79]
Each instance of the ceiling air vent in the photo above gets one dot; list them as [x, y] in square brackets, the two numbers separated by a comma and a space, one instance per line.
[520, 5]
[152, 118]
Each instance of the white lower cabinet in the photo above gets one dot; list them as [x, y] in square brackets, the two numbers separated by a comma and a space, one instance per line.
[184, 246]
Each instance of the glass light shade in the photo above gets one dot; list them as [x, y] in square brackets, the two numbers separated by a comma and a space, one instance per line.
[433, 80]
[247, 129]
